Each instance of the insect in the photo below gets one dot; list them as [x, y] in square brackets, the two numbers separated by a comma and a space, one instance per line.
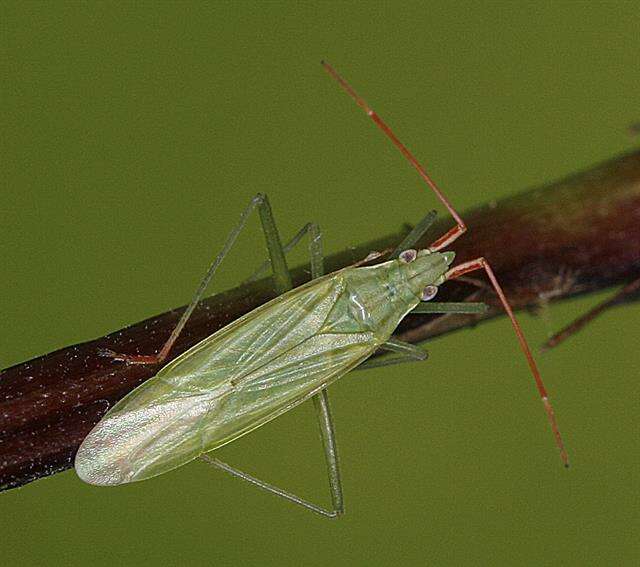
[284, 352]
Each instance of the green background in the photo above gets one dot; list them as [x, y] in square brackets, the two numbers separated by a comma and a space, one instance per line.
[134, 134]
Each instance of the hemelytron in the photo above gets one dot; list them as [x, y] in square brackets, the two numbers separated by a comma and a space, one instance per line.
[284, 352]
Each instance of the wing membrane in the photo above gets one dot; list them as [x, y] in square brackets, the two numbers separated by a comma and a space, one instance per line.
[283, 383]
[225, 386]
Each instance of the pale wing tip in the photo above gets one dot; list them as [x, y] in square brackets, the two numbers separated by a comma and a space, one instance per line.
[93, 468]
[96, 475]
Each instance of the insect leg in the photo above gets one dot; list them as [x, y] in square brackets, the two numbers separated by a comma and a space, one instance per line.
[462, 307]
[406, 352]
[460, 227]
[321, 399]
[297, 237]
[321, 403]
[327, 432]
[280, 271]
[626, 292]
[217, 463]
[482, 264]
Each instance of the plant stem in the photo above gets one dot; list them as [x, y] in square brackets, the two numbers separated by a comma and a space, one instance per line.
[571, 237]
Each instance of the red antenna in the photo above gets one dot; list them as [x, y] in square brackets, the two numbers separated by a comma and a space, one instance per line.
[460, 227]
[466, 267]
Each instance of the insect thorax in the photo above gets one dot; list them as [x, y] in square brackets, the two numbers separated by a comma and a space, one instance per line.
[375, 299]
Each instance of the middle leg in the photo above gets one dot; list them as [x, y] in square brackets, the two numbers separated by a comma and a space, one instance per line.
[320, 400]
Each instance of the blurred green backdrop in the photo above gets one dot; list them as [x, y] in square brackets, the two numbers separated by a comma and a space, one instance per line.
[133, 135]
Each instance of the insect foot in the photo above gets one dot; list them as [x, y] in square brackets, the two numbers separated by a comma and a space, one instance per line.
[130, 358]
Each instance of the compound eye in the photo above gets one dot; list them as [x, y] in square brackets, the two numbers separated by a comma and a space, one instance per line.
[429, 292]
[408, 256]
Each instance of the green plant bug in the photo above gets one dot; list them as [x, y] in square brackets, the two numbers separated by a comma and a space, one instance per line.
[284, 352]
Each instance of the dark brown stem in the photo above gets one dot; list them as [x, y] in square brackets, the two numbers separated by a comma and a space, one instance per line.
[575, 236]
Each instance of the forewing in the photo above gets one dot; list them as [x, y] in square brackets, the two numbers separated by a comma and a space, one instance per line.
[168, 420]
[283, 383]
[155, 423]
[255, 339]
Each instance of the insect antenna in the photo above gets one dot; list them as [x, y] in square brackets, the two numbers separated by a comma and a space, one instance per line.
[470, 266]
[460, 227]
[482, 264]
